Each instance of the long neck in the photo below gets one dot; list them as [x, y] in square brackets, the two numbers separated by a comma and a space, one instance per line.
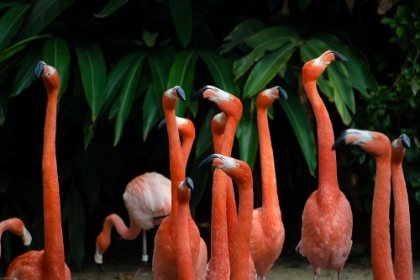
[239, 262]
[380, 236]
[53, 236]
[403, 264]
[327, 165]
[187, 144]
[268, 174]
[183, 249]
[176, 161]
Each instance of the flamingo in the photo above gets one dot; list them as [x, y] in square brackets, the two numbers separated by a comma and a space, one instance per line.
[267, 234]
[48, 263]
[184, 259]
[378, 145]
[240, 173]
[148, 199]
[403, 257]
[223, 216]
[327, 220]
[17, 227]
[165, 254]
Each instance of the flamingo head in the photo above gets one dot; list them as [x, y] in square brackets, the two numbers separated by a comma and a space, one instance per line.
[170, 97]
[238, 170]
[398, 147]
[267, 96]
[218, 123]
[185, 127]
[315, 67]
[227, 103]
[184, 190]
[49, 74]
[374, 143]
[102, 243]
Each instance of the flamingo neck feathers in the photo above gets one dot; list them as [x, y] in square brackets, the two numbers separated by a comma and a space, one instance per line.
[403, 265]
[268, 174]
[380, 237]
[53, 236]
[327, 165]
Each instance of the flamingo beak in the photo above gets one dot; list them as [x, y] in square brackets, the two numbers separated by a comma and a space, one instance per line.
[282, 93]
[189, 182]
[338, 56]
[340, 142]
[405, 141]
[161, 124]
[181, 93]
[208, 160]
[27, 247]
[199, 94]
[39, 69]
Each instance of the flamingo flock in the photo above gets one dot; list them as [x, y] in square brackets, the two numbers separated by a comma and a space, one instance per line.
[245, 242]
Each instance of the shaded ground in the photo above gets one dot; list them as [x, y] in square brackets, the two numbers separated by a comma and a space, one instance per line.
[286, 268]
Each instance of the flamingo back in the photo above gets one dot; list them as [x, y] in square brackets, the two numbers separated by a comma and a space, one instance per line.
[148, 196]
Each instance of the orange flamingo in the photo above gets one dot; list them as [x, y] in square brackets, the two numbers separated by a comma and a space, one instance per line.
[17, 227]
[327, 220]
[241, 174]
[218, 125]
[164, 258]
[267, 234]
[184, 259]
[403, 257]
[49, 263]
[378, 145]
[223, 217]
[148, 199]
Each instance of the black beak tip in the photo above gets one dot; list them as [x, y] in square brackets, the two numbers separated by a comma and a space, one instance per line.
[340, 142]
[27, 248]
[100, 267]
[405, 141]
[161, 124]
[181, 93]
[339, 56]
[190, 183]
[282, 93]
[198, 94]
[206, 161]
[39, 69]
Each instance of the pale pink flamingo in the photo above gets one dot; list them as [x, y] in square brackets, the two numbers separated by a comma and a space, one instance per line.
[17, 227]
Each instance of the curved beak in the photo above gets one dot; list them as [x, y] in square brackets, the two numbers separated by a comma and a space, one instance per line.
[39, 69]
[100, 267]
[282, 93]
[161, 124]
[189, 182]
[208, 160]
[340, 142]
[338, 56]
[181, 93]
[405, 141]
[199, 94]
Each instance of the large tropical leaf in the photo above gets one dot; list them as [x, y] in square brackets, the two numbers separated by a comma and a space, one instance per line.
[338, 77]
[221, 71]
[21, 45]
[10, 3]
[7, 65]
[126, 97]
[25, 75]
[242, 65]
[181, 12]
[56, 54]
[302, 129]
[272, 38]
[150, 112]
[41, 13]
[10, 23]
[268, 67]
[182, 74]
[247, 133]
[111, 7]
[93, 73]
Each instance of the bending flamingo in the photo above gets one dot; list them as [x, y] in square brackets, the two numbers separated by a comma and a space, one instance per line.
[165, 254]
[148, 199]
[241, 174]
[267, 234]
[16, 226]
[378, 145]
[327, 220]
[49, 263]
[403, 256]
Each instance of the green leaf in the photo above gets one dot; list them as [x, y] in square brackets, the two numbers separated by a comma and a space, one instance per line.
[150, 113]
[247, 133]
[10, 23]
[149, 38]
[10, 3]
[221, 71]
[115, 79]
[74, 214]
[127, 96]
[93, 74]
[21, 45]
[272, 38]
[182, 74]
[41, 13]
[312, 48]
[56, 54]
[7, 65]
[111, 7]
[302, 129]
[25, 75]
[181, 12]
[340, 81]
[266, 69]
[204, 138]
[242, 65]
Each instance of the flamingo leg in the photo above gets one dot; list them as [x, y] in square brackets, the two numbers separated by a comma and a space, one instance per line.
[314, 275]
[144, 257]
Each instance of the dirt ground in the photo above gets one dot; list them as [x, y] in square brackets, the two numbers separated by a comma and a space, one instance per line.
[286, 268]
